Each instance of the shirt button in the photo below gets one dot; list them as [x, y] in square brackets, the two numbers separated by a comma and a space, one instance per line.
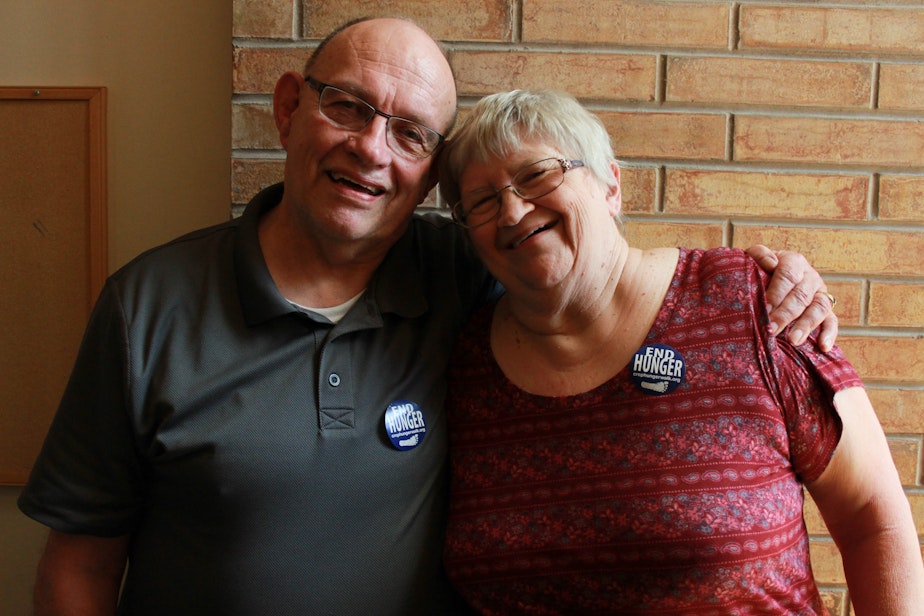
[334, 379]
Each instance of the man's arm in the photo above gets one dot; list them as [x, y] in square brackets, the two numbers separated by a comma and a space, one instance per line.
[797, 295]
[80, 575]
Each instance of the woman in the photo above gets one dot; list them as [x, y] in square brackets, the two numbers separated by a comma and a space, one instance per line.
[627, 436]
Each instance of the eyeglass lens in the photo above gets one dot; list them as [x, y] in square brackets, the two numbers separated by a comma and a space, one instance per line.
[353, 113]
[533, 181]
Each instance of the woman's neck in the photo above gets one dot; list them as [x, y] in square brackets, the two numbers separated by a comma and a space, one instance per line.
[550, 347]
[582, 302]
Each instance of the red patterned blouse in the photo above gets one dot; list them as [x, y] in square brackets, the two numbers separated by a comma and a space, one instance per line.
[651, 494]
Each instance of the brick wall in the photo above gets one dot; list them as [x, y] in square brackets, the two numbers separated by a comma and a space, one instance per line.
[798, 124]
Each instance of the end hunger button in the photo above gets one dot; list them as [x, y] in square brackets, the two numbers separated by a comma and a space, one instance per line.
[658, 369]
[405, 424]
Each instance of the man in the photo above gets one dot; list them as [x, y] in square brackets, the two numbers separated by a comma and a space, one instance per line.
[254, 422]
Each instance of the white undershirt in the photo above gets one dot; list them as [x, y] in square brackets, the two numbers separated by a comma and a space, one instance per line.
[334, 313]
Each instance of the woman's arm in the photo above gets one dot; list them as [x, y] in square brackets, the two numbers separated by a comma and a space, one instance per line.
[862, 502]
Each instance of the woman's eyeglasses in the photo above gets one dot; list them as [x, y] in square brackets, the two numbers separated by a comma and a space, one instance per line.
[531, 182]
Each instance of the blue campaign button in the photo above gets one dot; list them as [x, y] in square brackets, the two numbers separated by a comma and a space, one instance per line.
[405, 424]
[658, 369]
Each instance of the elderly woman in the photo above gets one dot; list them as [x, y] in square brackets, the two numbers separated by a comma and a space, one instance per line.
[627, 437]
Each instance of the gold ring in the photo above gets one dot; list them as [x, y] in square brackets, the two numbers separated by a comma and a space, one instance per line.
[830, 297]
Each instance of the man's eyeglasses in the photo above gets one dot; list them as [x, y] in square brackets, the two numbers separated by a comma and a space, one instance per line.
[348, 111]
[531, 182]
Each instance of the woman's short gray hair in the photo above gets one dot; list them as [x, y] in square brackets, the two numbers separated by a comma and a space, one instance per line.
[499, 124]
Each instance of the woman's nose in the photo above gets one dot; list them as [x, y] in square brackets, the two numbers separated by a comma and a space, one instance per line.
[511, 207]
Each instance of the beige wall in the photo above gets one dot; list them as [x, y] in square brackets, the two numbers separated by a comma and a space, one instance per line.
[165, 64]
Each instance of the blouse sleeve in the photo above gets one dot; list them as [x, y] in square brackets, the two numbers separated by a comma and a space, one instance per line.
[807, 380]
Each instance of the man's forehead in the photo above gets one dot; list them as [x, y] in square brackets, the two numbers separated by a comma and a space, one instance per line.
[391, 64]
[404, 51]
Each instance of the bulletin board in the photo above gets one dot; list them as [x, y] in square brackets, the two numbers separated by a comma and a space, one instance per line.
[53, 257]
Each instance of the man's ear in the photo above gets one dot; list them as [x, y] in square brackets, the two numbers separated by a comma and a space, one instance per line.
[285, 102]
[433, 175]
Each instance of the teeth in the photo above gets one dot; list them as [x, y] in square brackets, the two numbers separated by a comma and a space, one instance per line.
[529, 235]
[345, 180]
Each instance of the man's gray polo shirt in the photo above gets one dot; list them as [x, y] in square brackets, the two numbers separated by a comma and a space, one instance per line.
[242, 441]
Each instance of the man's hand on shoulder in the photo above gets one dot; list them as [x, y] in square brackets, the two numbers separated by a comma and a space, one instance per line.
[798, 295]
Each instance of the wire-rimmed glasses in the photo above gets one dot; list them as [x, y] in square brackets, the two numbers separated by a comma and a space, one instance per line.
[344, 110]
[531, 182]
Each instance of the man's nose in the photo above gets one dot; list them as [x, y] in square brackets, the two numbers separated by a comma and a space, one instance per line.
[371, 141]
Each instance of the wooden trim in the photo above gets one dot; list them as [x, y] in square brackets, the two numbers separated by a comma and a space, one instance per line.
[38, 355]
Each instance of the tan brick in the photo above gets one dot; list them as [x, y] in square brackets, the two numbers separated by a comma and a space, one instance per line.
[652, 233]
[826, 562]
[886, 360]
[666, 135]
[896, 304]
[745, 81]
[813, 520]
[433, 202]
[900, 197]
[854, 29]
[253, 127]
[264, 18]
[256, 70]
[834, 600]
[459, 20]
[249, 176]
[849, 294]
[854, 251]
[737, 193]
[917, 511]
[638, 186]
[899, 410]
[906, 453]
[901, 87]
[825, 140]
[627, 22]
[628, 77]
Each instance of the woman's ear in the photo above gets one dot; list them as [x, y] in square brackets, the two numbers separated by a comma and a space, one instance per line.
[614, 191]
[285, 102]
